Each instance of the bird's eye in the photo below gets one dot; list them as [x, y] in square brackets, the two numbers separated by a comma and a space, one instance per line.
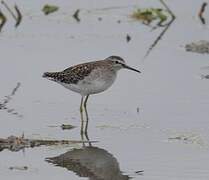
[116, 62]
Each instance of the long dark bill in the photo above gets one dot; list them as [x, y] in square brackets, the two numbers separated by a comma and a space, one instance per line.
[128, 67]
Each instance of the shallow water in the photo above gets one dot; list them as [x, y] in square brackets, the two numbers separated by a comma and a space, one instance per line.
[156, 121]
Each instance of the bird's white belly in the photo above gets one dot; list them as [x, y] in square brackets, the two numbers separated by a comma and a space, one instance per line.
[95, 83]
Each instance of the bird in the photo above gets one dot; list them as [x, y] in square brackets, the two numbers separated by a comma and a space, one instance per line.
[90, 78]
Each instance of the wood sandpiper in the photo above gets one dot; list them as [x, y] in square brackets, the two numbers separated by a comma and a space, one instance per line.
[89, 78]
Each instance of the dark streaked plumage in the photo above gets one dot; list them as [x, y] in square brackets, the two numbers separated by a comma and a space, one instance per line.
[72, 74]
[78, 72]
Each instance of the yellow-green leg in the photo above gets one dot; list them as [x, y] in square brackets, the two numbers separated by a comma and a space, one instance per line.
[85, 102]
[81, 105]
[87, 117]
[81, 111]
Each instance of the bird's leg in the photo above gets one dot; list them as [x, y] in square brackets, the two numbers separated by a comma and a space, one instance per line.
[87, 117]
[87, 120]
[85, 102]
[82, 138]
[81, 112]
[81, 131]
[87, 137]
[81, 105]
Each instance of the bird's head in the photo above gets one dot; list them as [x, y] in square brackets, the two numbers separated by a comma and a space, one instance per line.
[118, 63]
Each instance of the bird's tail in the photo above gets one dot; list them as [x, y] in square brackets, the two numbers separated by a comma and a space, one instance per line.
[51, 75]
[48, 74]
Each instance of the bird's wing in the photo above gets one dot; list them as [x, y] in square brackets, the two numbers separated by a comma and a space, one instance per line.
[73, 74]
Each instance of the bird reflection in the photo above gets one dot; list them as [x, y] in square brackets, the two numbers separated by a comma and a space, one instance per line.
[90, 161]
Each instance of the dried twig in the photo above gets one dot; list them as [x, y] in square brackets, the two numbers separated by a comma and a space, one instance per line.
[7, 7]
[3, 105]
[202, 10]
[168, 9]
[17, 18]
[173, 17]
[76, 15]
[9, 97]
[3, 20]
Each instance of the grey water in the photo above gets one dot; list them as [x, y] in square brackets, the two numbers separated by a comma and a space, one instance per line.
[155, 123]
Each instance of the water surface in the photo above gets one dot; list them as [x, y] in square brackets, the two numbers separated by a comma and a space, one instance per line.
[156, 121]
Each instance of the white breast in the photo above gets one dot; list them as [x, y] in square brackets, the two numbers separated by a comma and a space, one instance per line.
[98, 81]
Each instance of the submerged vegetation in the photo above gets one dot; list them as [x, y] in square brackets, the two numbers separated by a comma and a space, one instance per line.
[67, 126]
[15, 143]
[149, 15]
[201, 47]
[48, 9]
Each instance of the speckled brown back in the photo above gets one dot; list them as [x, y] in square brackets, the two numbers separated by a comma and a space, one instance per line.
[75, 73]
